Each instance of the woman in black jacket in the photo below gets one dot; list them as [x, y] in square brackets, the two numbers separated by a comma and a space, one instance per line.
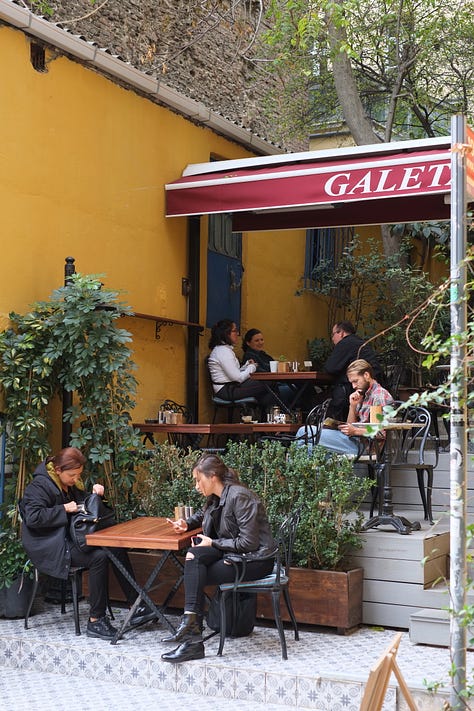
[252, 346]
[233, 520]
[49, 500]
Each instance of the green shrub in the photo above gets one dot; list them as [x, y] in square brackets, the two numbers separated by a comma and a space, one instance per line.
[323, 484]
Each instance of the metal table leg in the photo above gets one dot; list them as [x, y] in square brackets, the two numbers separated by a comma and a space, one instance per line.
[143, 591]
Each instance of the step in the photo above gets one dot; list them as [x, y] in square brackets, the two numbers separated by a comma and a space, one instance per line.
[324, 671]
[432, 627]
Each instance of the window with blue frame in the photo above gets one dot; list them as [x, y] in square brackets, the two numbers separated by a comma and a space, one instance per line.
[324, 248]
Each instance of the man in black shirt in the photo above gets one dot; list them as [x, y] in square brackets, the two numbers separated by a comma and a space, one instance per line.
[348, 347]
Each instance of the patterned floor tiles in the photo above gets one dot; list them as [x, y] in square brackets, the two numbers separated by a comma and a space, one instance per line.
[324, 671]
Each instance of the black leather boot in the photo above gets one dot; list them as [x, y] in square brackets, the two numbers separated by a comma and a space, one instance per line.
[190, 627]
[186, 651]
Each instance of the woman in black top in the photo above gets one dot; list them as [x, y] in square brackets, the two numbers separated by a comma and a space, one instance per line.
[252, 347]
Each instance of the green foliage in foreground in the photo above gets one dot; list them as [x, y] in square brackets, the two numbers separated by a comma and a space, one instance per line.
[323, 484]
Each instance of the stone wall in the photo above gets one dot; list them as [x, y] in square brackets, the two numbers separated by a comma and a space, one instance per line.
[201, 48]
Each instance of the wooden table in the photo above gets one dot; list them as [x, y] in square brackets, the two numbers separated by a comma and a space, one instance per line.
[386, 515]
[299, 382]
[250, 430]
[145, 533]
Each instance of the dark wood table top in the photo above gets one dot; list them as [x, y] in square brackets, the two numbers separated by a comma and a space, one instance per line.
[217, 428]
[146, 532]
[316, 376]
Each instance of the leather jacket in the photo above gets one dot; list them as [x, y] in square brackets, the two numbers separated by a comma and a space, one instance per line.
[236, 522]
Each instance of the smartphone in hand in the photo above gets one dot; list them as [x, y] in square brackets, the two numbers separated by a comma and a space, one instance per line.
[196, 540]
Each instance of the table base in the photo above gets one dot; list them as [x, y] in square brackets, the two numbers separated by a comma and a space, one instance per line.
[402, 524]
[142, 592]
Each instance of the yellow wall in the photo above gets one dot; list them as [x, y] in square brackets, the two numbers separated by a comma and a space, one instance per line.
[83, 164]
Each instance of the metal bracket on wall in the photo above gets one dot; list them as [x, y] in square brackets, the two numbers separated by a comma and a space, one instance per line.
[161, 321]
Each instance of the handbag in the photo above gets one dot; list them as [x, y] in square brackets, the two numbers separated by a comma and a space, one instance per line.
[239, 625]
[95, 516]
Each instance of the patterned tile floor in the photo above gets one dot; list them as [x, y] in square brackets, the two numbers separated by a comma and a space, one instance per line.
[44, 667]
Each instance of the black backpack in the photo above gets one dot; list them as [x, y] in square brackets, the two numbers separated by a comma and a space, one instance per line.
[240, 625]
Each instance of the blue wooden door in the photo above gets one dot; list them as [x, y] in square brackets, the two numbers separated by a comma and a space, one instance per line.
[224, 271]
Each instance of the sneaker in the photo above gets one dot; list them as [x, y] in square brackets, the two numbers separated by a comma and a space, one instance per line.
[141, 615]
[101, 628]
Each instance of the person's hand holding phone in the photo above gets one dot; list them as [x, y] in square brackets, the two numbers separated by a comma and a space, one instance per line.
[201, 541]
[180, 525]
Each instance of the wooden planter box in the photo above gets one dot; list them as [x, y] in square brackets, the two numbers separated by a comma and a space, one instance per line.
[320, 597]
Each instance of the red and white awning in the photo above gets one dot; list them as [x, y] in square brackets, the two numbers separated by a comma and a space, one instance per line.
[383, 183]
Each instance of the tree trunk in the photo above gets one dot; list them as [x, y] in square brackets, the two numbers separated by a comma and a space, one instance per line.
[353, 111]
[355, 117]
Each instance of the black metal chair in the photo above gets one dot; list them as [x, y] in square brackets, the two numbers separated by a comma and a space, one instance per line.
[312, 427]
[392, 365]
[275, 584]
[415, 449]
[75, 578]
[183, 441]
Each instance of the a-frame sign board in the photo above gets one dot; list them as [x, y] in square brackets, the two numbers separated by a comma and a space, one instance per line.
[379, 676]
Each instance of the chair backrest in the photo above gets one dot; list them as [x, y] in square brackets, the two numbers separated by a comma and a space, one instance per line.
[175, 407]
[314, 423]
[393, 367]
[411, 446]
[285, 540]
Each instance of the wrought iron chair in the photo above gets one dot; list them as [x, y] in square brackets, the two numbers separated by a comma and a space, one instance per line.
[75, 576]
[183, 441]
[415, 449]
[309, 433]
[393, 367]
[275, 584]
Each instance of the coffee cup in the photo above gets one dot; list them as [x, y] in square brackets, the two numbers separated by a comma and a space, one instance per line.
[273, 366]
[375, 413]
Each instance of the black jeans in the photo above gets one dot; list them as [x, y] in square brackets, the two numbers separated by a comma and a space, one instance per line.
[97, 562]
[249, 388]
[209, 568]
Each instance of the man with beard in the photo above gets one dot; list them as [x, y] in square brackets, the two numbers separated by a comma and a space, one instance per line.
[366, 393]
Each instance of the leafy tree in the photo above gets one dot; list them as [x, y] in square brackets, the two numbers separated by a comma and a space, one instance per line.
[71, 343]
[393, 67]
[383, 69]
[398, 304]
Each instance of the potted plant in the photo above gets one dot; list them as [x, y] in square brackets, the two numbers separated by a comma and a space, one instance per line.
[72, 344]
[282, 366]
[326, 589]
[16, 575]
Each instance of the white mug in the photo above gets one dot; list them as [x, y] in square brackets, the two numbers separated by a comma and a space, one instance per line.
[273, 366]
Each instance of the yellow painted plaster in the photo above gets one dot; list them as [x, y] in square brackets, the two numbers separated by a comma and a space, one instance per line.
[83, 164]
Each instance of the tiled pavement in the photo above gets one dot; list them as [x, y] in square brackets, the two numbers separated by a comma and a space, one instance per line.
[48, 668]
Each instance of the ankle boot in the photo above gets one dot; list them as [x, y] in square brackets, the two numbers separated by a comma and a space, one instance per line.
[185, 652]
[190, 627]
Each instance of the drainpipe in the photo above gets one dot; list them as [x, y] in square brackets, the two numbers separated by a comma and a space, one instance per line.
[192, 350]
[69, 270]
